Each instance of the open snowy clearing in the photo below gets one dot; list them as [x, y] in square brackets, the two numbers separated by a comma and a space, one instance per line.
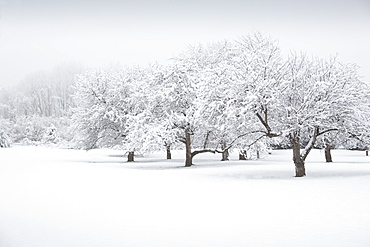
[64, 198]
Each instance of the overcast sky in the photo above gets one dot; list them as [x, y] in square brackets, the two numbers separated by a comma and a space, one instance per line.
[38, 35]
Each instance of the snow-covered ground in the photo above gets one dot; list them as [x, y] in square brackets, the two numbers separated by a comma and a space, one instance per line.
[67, 198]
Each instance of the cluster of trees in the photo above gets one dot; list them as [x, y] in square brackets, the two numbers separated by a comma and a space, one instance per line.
[40, 102]
[42, 94]
[233, 94]
[241, 94]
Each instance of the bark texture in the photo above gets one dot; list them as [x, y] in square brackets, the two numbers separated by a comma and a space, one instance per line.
[168, 151]
[130, 157]
[328, 157]
[300, 170]
[243, 155]
[188, 157]
[225, 151]
[189, 154]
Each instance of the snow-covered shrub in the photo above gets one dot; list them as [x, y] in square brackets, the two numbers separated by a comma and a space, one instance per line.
[51, 135]
[4, 140]
[36, 130]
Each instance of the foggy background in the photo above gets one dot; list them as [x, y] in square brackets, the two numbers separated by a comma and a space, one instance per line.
[37, 35]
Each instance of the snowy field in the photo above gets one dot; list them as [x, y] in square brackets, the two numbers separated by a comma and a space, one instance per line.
[72, 198]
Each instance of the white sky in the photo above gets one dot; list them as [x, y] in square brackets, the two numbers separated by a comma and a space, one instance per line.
[38, 35]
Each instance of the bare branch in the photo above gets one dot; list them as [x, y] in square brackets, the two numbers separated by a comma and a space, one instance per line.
[326, 131]
[255, 141]
[202, 151]
[240, 136]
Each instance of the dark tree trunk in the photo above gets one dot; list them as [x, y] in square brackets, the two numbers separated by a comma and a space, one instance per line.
[258, 154]
[300, 170]
[327, 151]
[206, 139]
[225, 152]
[188, 157]
[225, 155]
[168, 151]
[243, 155]
[328, 154]
[130, 157]
[367, 152]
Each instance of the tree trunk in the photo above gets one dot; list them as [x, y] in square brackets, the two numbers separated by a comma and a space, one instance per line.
[327, 151]
[206, 139]
[225, 155]
[243, 155]
[168, 151]
[130, 156]
[188, 157]
[225, 152]
[300, 170]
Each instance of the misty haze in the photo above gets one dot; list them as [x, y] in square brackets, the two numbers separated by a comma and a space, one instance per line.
[184, 123]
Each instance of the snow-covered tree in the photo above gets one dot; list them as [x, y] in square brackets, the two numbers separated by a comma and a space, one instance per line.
[41, 99]
[217, 77]
[358, 136]
[297, 98]
[45, 93]
[100, 115]
[223, 95]
[113, 110]
[316, 97]
[237, 91]
[179, 104]
[209, 69]
[143, 125]
[160, 125]
[259, 69]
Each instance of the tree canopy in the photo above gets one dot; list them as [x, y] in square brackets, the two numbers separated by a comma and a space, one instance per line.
[235, 94]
